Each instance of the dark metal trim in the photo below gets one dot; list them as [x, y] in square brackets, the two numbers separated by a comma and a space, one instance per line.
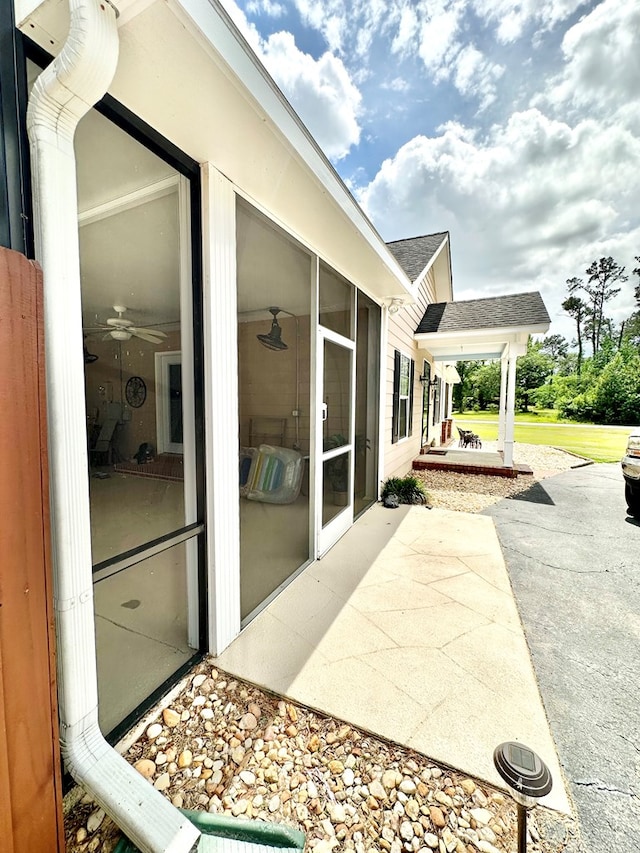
[114, 565]
[131, 719]
[16, 224]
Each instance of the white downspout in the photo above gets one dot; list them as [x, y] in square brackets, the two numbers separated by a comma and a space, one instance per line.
[62, 94]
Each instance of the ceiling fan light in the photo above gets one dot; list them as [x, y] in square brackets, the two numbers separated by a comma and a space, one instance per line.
[120, 335]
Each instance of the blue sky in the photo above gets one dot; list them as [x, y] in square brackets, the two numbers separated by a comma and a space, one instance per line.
[513, 125]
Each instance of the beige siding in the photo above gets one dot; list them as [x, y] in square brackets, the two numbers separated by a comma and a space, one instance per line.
[398, 457]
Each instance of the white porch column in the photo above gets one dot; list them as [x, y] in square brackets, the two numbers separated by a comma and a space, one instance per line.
[503, 402]
[221, 406]
[510, 413]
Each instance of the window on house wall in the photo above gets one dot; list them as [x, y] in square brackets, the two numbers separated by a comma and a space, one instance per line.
[402, 396]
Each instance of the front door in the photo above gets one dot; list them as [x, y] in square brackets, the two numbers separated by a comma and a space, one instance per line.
[334, 485]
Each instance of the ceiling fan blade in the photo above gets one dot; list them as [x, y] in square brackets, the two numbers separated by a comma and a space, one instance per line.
[147, 335]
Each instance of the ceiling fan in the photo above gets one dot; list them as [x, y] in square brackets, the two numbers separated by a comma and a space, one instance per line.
[121, 329]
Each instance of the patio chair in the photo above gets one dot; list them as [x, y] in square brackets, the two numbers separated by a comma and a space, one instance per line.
[465, 437]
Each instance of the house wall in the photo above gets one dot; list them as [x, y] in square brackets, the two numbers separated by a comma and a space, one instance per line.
[402, 325]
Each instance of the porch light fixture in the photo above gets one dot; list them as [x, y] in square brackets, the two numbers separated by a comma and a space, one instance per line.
[273, 339]
[528, 778]
[395, 305]
[424, 380]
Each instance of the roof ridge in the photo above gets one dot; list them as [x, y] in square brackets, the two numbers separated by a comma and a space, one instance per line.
[417, 237]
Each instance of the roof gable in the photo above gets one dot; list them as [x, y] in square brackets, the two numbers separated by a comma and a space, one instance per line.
[415, 253]
[512, 310]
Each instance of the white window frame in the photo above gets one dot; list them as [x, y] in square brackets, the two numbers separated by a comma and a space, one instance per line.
[163, 361]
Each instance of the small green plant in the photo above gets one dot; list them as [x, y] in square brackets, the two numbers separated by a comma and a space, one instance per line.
[408, 490]
[337, 469]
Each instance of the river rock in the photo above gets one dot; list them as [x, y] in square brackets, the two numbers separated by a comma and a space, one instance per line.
[171, 718]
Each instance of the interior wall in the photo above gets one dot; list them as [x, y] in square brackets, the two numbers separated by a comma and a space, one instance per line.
[103, 385]
[267, 379]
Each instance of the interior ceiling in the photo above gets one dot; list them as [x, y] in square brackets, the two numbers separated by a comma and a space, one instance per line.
[129, 238]
[129, 252]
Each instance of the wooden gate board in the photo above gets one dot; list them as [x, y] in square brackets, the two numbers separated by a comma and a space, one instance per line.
[30, 782]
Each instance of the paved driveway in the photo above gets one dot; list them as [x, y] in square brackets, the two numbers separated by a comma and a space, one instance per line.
[574, 560]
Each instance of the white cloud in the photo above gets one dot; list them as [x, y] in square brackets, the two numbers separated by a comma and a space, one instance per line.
[407, 30]
[475, 75]
[447, 58]
[266, 7]
[512, 17]
[320, 90]
[528, 206]
[398, 84]
[602, 69]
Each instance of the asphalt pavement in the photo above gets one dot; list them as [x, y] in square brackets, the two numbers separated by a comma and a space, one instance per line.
[573, 556]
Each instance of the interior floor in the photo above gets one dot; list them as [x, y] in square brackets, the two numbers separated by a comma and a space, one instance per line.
[129, 510]
[141, 612]
[141, 632]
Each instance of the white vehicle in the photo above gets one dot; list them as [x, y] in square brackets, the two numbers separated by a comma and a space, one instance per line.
[631, 473]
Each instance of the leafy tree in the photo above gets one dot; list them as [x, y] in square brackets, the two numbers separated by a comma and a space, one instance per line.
[600, 288]
[576, 308]
[486, 384]
[631, 332]
[636, 290]
[616, 398]
[463, 390]
[556, 346]
[532, 371]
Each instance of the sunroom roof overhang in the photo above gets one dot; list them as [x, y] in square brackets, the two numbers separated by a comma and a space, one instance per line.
[482, 329]
[477, 344]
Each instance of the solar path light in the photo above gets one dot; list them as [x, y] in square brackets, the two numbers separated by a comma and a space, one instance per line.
[528, 778]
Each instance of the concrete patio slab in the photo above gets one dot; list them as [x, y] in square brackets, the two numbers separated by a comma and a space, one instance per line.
[407, 628]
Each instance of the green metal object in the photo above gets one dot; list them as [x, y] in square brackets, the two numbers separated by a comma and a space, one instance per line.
[225, 834]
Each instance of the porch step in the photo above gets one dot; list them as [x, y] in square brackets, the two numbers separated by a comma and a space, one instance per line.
[447, 462]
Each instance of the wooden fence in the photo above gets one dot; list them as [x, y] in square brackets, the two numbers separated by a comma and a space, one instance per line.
[30, 787]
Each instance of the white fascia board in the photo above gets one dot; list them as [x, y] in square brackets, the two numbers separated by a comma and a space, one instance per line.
[215, 25]
[486, 355]
[432, 260]
[506, 333]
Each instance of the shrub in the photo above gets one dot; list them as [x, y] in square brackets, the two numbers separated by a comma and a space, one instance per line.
[408, 490]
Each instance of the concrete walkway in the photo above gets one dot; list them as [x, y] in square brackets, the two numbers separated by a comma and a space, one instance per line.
[407, 628]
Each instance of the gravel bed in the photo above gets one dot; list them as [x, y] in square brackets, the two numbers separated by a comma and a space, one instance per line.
[475, 492]
[225, 746]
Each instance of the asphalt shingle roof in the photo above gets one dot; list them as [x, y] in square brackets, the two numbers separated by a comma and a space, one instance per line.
[414, 253]
[515, 309]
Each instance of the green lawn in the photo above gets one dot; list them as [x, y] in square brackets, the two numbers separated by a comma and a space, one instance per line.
[600, 443]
